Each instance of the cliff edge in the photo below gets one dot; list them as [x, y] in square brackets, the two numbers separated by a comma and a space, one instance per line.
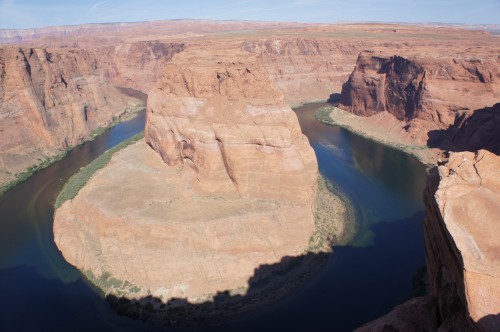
[228, 186]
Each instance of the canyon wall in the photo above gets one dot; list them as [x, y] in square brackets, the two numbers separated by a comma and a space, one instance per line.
[425, 93]
[461, 236]
[226, 187]
[136, 65]
[219, 112]
[51, 99]
[306, 69]
[463, 255]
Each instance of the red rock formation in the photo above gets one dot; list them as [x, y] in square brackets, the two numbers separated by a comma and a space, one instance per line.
[306, 69]
[234, 189]
[136, 65]
[218, 112]
[462, 250]
[50, 99]
[461, 233]
[423, 92]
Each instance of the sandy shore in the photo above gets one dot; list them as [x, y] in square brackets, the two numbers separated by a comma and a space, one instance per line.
[382, 128]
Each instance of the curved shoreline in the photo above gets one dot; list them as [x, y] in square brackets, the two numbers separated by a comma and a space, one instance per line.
[334, 225]
[128, 114]
[326, 115]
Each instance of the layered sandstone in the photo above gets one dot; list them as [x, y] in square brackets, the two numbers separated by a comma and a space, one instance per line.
[218, 112]
[425, 93]
[50, 99]
[229, 187]
[461, 234]
[462, 250]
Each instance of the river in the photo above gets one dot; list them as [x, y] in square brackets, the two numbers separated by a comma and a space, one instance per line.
[39, 291]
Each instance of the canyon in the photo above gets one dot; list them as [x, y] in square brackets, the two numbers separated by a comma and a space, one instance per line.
[225, 181]
[228, 184]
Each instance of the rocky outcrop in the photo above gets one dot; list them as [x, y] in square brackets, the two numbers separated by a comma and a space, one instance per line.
[424, 93]
[136, 65]
[229, 187]
[461, 233]
[471, 131]
[219, 113]
[306, 69]
[50, 99]
[462, 250]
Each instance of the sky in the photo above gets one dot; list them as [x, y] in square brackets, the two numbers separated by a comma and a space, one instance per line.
[19, 14]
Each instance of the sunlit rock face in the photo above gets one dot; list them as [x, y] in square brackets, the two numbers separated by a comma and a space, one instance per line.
[218, 112]
[228, 186]
[426, 92]
[50, 99]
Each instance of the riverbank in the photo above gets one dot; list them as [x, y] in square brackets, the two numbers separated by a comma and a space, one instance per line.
[333, 224]
[9, 181]
[367, 127]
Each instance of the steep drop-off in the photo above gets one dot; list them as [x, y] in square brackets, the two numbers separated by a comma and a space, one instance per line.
[51, 99]
[229, 185]
[424, 93]
[462, 250]
[306, 69]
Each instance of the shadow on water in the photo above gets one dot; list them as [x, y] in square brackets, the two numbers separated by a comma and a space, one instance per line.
[344, 303]
[359, 282]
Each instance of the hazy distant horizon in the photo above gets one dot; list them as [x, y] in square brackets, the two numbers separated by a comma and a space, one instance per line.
[26, 14]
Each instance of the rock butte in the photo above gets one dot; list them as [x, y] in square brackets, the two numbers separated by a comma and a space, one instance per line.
[422, 85]
[235, 190]
[306, 62]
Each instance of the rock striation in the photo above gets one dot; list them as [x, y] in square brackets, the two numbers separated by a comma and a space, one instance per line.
[462, 250]
[228, 186]
[461, 233]
[50, 99]
[424, 93]
[219, 113]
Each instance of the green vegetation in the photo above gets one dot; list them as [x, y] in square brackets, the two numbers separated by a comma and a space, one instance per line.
[128, 114]
[78, 180]
[106, 282]
[323, 115]
[333, 218]
[23, 176]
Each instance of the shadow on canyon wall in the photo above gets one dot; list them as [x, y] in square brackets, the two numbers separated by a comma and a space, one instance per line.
[470, 132]
[334, 98]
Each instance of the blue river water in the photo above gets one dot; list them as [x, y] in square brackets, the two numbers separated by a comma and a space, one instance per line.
[362, 280]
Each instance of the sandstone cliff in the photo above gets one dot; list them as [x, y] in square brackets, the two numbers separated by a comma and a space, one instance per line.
[424, 93]
[50, 99]
[461, 236]
[306, 69]
[230, 186]
[462, 250]
[220, 114]
[136, 65]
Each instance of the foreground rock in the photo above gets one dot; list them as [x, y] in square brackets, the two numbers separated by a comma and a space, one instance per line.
[461, 231]
[229, 187]
[462, 250]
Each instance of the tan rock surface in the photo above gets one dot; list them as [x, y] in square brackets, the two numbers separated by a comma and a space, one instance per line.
[424, 92]
[218, 112]
[50, 99]
[231, 187]
[463, 251]
[139, 220]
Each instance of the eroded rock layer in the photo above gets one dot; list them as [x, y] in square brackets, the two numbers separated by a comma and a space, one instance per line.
[219, 113]
[50, 99]
[426, 94]
[229, 187]
[461, 234]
